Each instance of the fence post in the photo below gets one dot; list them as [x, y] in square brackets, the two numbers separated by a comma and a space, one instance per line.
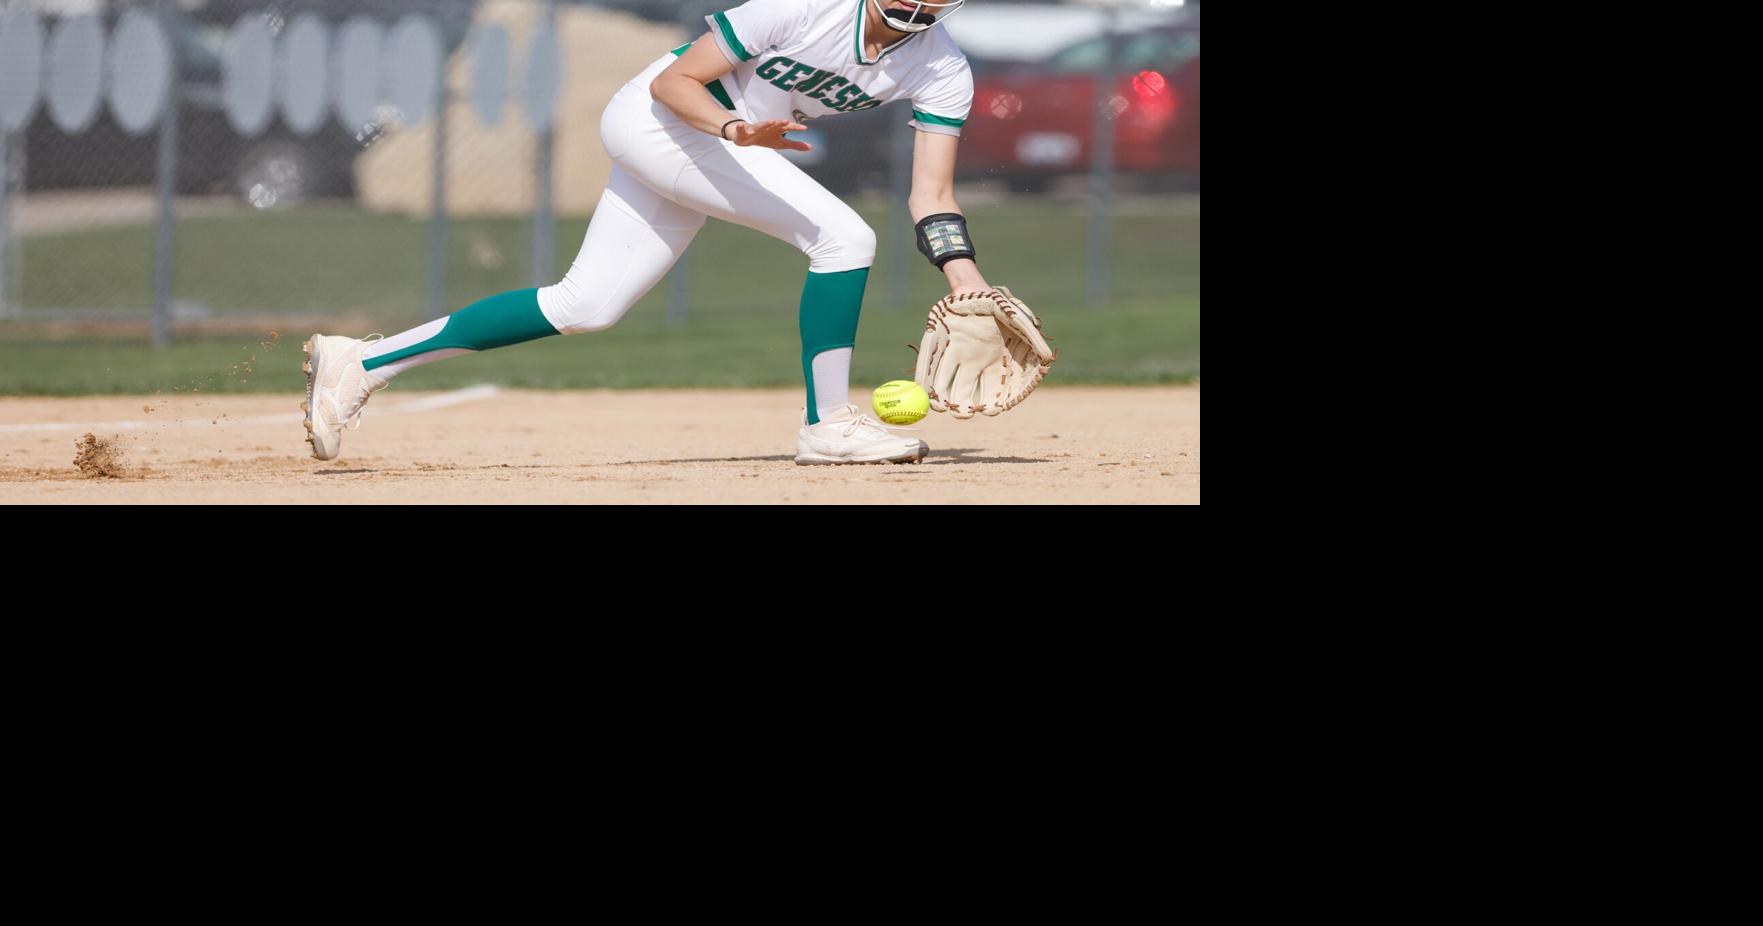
[18, 163]
[544, 211]
[165, 238]
[1102, 171]
[904, 138]
[5, 223]
[434, 303]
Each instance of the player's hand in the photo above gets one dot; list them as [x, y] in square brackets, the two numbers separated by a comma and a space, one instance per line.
[768, 134]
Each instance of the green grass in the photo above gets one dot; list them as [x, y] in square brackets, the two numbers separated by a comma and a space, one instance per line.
[740, 330]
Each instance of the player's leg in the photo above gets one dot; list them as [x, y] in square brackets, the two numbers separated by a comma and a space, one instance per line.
[633, 239]
[760, 189]
[764, 191]
[635, 236]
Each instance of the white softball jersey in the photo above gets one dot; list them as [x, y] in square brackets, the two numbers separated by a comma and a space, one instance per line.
[794, 59]
[804, 59]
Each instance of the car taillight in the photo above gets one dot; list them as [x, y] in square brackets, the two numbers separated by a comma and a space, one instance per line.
[1006, 106]
[1152, 96]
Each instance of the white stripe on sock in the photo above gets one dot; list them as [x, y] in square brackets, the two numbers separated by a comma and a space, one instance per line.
[393, 369]
[398, 342]
[406, 339]
[832, 379]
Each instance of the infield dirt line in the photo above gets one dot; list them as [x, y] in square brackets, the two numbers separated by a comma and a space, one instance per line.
[427, 404]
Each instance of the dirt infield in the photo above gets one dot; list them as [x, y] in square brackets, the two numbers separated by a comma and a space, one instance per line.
[1109, 445]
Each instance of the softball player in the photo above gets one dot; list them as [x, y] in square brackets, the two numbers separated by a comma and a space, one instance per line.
[697, 134]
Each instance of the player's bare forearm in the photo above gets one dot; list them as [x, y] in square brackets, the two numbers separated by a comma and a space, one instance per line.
[921, 206]
[964, 277]
[681, 86]
[933, 193]
[691, 102]
[963, 274]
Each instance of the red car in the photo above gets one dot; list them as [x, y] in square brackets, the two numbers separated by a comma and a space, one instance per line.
[1033, 124]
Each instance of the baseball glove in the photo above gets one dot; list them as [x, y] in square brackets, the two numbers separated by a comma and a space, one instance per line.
[982, 352]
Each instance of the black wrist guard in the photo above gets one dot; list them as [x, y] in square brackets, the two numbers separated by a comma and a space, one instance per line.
[943, 237]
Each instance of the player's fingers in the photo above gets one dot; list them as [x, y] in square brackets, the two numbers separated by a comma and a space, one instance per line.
[944, 376]
[964, 392]
[796, 145]
[994, 386]
[930, 354]
[927, 351]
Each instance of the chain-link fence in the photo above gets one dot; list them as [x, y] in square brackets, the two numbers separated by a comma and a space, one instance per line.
[171, 164]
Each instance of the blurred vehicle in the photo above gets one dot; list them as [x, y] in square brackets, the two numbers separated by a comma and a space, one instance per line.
[450, 14]
[662, 11]
[275, 168]
[855, 149]
[1033, 123]
[1006, 44]
[1030, 33]
[851, 150]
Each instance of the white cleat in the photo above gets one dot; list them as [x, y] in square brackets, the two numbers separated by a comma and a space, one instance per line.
[337, 386]
[849, 436]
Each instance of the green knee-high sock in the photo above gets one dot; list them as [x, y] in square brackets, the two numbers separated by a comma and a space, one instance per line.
[498, 321]
[830, 305]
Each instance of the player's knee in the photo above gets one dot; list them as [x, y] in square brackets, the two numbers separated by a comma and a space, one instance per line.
[587, 325]
[571, 311]
[845, 245]
[862, 243]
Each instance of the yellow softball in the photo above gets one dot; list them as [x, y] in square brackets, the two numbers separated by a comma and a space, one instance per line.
[901, 402]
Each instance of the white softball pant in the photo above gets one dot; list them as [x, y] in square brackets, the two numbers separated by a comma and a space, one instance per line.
[667, 177]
